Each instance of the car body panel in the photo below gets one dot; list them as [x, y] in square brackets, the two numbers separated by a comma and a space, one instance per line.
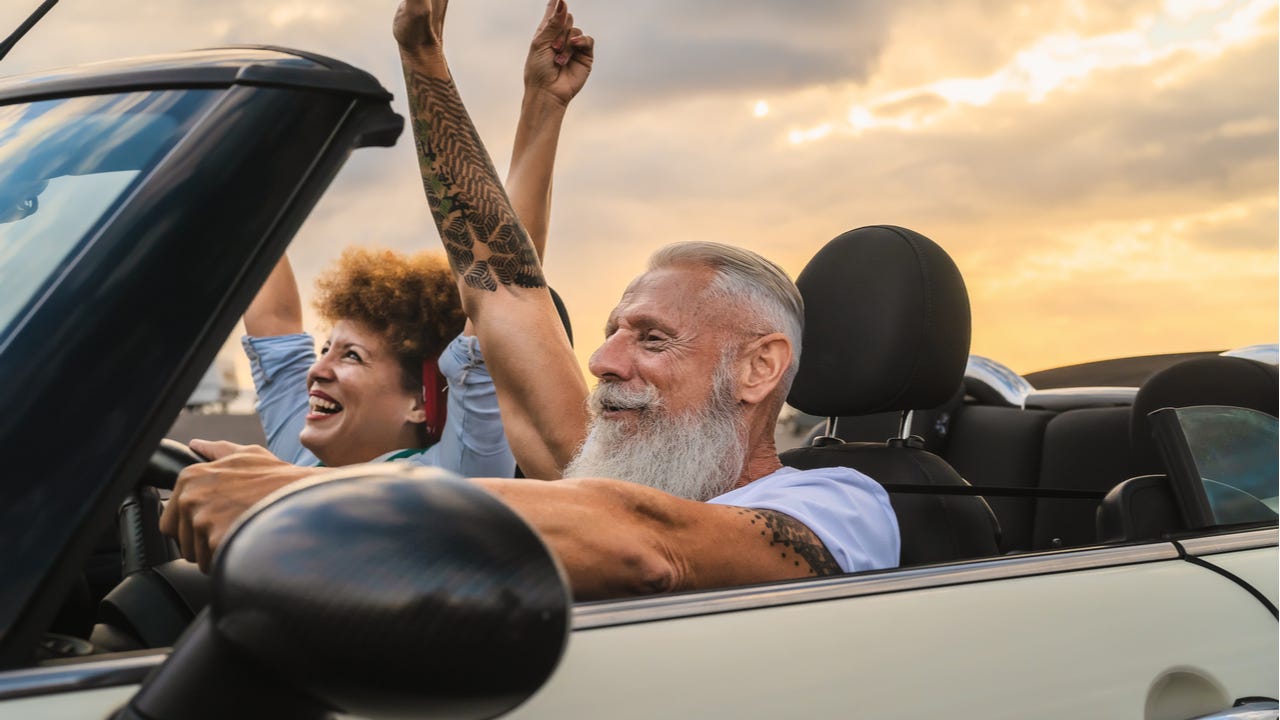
[1099, 643]
[79, 705]
[1257, 567]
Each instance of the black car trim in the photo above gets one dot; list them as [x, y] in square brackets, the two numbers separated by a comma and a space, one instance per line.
[1192, 548]
[994, 490]
[638, 610]
[79, 675]
[327, 75]
[1235, 579]
[93, 674]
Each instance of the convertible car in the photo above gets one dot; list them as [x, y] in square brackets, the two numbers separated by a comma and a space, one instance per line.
[1067, 552]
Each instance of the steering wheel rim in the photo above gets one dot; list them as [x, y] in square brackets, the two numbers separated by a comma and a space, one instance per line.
[141, 544]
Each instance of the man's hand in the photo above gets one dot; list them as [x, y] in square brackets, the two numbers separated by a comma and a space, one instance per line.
[419, 26]
[208, 497]
[560, 56]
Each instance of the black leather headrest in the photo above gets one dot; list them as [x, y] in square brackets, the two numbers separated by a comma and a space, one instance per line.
[1220, 380]
[886, 325]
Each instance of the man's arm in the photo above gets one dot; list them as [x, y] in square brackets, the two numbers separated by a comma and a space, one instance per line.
[541, 390]
[614, 538]
[617, 539]
[277, 308]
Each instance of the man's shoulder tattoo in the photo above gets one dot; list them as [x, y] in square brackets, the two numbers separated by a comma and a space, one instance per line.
[795, 542]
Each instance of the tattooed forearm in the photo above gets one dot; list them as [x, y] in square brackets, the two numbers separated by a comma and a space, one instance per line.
[486, 244]
[795, 542]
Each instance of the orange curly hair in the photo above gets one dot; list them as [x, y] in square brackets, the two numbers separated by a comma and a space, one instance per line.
[411, 301]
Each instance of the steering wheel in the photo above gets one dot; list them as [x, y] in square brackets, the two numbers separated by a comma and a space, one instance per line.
[141, 544]
[159, 593]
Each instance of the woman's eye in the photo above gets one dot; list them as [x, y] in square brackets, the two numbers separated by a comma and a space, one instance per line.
[324, 350]
[353, 355]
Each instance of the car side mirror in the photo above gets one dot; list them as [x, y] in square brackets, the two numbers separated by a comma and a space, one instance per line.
[377, 591]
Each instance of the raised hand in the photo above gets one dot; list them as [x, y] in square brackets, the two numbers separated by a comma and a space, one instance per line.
[560, 56]
[419, 26]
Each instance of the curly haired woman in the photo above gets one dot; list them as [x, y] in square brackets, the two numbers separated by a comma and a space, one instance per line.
[372, 394]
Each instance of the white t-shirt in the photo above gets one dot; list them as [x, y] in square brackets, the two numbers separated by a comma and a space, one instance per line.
[848, 511]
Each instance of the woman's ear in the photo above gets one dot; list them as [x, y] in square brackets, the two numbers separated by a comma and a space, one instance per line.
[763, 364]
[417, 413]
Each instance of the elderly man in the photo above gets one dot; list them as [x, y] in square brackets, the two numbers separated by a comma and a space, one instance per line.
[675, 481]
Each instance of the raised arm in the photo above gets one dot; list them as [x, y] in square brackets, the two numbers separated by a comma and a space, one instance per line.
[560, 59]
[541, 391]
[277, 308]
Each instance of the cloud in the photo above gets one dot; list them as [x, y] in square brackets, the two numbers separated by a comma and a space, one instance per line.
[1083, 162]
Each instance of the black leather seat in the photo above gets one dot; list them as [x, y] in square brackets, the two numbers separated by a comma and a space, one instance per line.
[1144, 506]
[887, 329]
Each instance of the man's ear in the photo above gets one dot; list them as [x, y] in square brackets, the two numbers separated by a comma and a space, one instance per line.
[761, 367]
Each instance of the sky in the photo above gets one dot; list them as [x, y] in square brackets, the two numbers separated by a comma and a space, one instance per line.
[1103, 173]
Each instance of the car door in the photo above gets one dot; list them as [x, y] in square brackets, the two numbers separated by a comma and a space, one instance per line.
[1127, 632]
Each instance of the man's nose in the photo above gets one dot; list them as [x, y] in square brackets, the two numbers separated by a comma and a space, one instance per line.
[612, 360]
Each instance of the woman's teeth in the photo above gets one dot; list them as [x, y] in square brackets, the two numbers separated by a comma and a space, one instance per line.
[321, 405]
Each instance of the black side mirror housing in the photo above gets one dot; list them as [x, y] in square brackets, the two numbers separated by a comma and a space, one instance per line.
[376, 591]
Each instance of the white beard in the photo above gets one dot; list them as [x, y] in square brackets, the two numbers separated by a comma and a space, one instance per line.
[696, 455]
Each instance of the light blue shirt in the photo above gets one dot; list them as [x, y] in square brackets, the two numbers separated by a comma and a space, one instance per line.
[473, 443]
[848, 511]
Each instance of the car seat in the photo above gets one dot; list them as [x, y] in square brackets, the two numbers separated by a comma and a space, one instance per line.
[887, 329]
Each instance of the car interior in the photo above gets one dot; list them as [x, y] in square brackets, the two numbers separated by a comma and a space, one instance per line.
[971, 472]
[1057, 470]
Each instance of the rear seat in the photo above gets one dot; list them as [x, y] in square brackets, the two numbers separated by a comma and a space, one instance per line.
[1001, 447]
[1080, 448]
[1086, 449]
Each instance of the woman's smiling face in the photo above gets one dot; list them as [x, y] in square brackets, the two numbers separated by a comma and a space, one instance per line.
[360, 408]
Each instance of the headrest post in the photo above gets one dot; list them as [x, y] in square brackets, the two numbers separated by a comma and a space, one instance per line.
[904, 425]
[832, 422]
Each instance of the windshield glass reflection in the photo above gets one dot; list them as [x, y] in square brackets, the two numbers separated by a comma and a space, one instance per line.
[64, 165]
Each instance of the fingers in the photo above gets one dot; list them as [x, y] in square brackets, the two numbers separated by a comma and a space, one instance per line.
[215, 450]
[582, 44]
[563, 44]
[553, 21]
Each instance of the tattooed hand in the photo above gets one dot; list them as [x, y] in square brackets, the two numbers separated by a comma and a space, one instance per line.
[560, 55]
[419, 25]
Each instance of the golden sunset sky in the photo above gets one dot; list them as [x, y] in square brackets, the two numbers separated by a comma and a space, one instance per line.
[1103, 173]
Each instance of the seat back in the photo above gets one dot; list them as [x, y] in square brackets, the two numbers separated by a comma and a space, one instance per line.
[887, 329]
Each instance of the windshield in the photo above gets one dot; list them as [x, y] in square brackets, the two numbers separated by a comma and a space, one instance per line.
[64, 165]
[1235, 456]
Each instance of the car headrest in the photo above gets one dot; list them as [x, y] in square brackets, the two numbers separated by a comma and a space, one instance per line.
[1220, 380]
[886, 325]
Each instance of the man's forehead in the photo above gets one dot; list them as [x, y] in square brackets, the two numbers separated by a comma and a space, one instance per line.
[674, 292]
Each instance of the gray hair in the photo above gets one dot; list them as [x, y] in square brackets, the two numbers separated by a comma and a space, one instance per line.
[751, 281]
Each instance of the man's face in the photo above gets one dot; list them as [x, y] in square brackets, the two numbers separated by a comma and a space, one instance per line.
[665, 335]
[665, 412]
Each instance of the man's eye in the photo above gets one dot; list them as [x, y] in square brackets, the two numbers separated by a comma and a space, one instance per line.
[654, 338]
